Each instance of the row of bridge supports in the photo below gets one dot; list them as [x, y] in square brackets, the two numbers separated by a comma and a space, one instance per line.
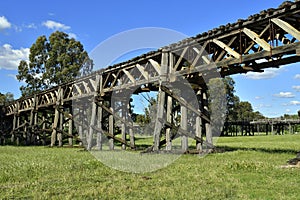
[245, 128]
[95, 121]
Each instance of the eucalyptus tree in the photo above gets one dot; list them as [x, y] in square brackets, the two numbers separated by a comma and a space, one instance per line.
[53, 61]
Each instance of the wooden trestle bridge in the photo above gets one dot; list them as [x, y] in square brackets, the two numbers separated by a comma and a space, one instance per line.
[268, 39]
[273, 126]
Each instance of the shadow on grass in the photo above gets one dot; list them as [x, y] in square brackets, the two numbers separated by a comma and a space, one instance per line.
[223, 149]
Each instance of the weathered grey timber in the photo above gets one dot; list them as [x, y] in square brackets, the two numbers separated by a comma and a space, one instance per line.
[264, 40]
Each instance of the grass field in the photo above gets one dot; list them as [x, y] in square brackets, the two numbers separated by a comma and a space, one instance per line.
[249, 169]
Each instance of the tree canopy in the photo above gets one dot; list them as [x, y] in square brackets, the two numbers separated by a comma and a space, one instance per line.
[6, 97]
[53, 61]
[238, 110]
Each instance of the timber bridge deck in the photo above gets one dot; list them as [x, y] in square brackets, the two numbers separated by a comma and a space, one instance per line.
[268, 39]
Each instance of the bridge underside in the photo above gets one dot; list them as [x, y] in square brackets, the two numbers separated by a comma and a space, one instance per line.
[97, 106]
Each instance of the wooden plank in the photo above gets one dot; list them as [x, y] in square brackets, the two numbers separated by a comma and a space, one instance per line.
[222, 54]
[93, 84]
[287, 27]
[155, 65]
[226, 48]
[86, 87]
[267, 28]
[180, 58]
[254, 37]
[142, 70]
[199, 52]
[131, 78]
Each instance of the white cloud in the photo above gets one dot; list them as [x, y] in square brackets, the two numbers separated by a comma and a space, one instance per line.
[55, 25]
[259, 106]
[267, 74]
[287, 110]
[72, 35]
[285, 95]
[14, 76]
[31, 26]
[4, 23]
[296, 87]
[297, 76]
[295, 103]
[10, 58]
[258, 97]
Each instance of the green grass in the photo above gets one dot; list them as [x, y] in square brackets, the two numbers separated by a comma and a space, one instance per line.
[248, 170]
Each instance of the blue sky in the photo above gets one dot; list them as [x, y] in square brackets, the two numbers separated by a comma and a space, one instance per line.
[273, 93]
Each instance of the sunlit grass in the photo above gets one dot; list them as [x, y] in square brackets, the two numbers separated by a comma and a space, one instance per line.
[248, 170]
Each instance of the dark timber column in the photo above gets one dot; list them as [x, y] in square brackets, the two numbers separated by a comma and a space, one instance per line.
[161, 101]
[123, 125]
[70, 132]
[59, 134]
[183, 125]
[56, 118]
[94, 114]
[169, 119]
[169, 104]
[207, 124]
[15, 120]
[99, 114]
[131, 133]
[43, 129]
[199, 123]
[99, 126]
[111, 129]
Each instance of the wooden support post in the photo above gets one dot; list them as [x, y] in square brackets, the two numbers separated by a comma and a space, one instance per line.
[54, 128]
[99, 125]
[208, 130]
[130, 129]
[56, 118]
[123, 125]
[18, 124]
[158, 123]
[131, 135]
[183, 125]
[43, 132]
[111, 130]
[14, 127]
[99, 88]
[70, 132]
[169, 119]
[199, 123]
[161, 101]
[94, 113]
[272, 129]
[92, 124]
[59, 134]
[80, 132]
